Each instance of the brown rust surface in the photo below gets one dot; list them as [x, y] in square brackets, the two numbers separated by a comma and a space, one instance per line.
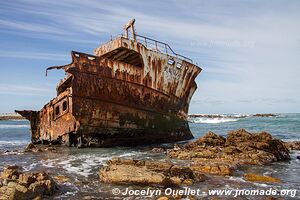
[125, 94]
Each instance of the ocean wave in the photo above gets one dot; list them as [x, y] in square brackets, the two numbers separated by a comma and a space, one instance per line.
[238, 179]
[212, 120]
[13, 143]
[6, 126]
[84, 165]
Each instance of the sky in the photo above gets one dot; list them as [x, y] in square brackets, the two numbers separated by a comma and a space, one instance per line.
[249, 50]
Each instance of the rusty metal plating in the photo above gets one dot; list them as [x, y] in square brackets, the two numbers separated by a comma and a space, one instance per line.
[127, 93]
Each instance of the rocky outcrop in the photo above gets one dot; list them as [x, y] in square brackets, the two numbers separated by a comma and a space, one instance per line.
[217, 155]
[260, 178]
[18, 185]
[265, 115]
[293, 145]
[34, 148]
[122, 171]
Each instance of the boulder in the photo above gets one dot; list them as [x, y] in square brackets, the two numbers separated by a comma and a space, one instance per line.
[209, 139]
[40, 148]
[18, 185]
[217, 155]
[31, 148]
[260, 178]
[9, 172]
[124, 171]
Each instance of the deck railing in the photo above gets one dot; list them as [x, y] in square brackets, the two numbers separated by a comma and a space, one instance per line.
[160, 47]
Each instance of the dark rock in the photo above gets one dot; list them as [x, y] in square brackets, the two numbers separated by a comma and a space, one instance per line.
[40, 148]
[31, 148]
[265, 115]
[298, 157]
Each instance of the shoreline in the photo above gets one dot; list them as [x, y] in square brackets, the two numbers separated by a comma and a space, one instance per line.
[11, 116]
[234, 116]
[192, 164]
[3, 118]
[15, 116]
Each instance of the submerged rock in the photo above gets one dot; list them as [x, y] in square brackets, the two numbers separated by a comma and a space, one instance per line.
[34, 148]
[217, 155]
[122, 171]
[31, 148]
[18, 185]
[260, 178]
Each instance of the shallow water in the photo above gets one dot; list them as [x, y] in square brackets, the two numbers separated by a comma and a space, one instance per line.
[81, 166]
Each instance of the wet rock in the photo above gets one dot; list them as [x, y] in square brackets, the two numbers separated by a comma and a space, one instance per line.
[61, 179]
[157, 150]
[260, 178]
[217, 155]
[18, 185]
[218, 168]
[31, 148]
[298, 157]
[9, 172]
[293, 145]
[265, 115]
[209, 139]
[122, 171]
[40, 148]
[162, 198]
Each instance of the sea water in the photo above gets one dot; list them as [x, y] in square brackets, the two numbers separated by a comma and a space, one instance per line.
[81, 166]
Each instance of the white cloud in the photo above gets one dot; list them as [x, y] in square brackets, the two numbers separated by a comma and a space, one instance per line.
[34, 55]
[249, 49]
[24, 90]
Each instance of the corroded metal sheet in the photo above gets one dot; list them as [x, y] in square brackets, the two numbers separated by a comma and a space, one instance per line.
[125, 94]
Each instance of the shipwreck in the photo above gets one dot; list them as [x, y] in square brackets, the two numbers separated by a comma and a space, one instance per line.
[133, 90]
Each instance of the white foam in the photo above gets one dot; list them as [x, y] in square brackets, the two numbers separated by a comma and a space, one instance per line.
[130, 154]
[84, 165]
[198, 120]
[239, 179]
[5, 126]
[30, 167]
[261, 184]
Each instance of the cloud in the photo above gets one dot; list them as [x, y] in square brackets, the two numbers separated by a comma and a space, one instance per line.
[31, 27]
[24, 90]
[34, 55]
[249, 50]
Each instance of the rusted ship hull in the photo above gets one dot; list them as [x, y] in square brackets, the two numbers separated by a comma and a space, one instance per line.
[125, 94]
